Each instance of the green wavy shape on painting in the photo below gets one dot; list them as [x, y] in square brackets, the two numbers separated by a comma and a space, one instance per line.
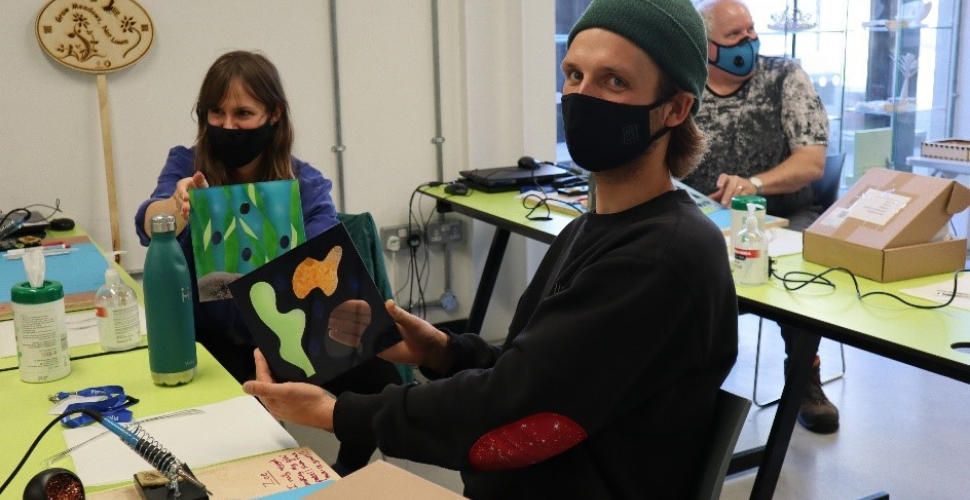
[288, 327]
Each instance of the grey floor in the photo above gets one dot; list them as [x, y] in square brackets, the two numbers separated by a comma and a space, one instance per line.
[903, 431]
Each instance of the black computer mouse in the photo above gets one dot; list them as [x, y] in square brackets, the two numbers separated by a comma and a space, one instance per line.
[528, 163]
[62, 224]
[456, 188]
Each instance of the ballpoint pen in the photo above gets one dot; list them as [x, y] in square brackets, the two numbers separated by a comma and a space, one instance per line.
[948, 293]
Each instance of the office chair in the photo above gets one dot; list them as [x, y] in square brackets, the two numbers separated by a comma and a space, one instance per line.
[826, 192]
[363, 232]
[730, 411]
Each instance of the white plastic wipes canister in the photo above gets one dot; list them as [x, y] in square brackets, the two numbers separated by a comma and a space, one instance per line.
[40, 327]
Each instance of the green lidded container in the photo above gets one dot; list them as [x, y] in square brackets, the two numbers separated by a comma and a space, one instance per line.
[741, 202]
[40, 327]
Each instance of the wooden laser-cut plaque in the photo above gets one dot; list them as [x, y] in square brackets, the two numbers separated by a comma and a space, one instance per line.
[96, 36]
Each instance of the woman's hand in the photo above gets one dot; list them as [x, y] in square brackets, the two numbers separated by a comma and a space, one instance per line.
[181, 194]
[295, 402]
[422, 343]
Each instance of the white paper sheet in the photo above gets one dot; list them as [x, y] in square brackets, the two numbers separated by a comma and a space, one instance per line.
[233, 429]
[940, 292]
[783, 241]
[82, 329]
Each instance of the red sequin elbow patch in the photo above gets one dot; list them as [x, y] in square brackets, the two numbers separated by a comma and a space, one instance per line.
[525, 442]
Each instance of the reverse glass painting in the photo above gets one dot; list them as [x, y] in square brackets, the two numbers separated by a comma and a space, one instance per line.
[315, 311]
[240, 227]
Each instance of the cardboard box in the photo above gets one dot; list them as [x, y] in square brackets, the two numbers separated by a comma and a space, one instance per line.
[883, 228]
[383, 481]
[946, 149]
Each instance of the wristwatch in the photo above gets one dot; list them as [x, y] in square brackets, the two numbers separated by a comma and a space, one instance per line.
[757, 184]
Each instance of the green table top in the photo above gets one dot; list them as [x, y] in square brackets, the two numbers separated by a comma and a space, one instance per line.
[504, 210]
[922, 337]
[23, 406]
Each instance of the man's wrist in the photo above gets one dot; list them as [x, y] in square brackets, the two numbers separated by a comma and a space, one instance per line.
[758, 185]
[440, 356]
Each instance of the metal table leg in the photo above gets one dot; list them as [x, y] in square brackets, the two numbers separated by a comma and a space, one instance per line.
[487, 283]
[799, 370]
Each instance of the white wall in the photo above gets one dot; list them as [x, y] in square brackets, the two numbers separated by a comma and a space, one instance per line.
[497, 59]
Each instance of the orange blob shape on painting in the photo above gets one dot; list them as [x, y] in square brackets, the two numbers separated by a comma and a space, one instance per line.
[313, 273]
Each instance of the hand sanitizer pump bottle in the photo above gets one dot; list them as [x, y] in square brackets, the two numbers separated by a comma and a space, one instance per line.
[116, 306]
[751, 252]
[168, 307]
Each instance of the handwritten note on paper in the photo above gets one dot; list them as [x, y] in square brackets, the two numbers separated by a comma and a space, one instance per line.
[282, 475]
[299, 467]
[878, 207]
[264, 475]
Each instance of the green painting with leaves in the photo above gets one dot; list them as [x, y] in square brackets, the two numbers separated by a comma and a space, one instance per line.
[238, 228]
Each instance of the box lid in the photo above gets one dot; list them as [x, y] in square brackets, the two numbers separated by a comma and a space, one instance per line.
[890, 209]
[959, 200]
[379, 481]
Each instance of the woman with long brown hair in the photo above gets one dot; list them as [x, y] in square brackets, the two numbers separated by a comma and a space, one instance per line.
[244, 136]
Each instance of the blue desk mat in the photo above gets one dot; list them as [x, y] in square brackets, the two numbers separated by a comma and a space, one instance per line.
[79, 271]
[721, 217]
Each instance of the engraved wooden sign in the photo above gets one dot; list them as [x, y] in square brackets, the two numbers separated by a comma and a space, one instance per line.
[96, 36]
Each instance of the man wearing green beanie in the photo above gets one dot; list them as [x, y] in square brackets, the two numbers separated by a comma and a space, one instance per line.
[606, 383]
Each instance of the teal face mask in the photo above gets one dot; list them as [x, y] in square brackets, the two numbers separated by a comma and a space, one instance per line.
[738, 59]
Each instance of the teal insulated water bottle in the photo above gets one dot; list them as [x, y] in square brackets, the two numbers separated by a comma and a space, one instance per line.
[168, 307]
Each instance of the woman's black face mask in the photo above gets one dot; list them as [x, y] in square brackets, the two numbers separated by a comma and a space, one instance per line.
[602, 135]
[236, 147]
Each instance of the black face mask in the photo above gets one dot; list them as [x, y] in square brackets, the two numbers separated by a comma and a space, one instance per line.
[602, 135]
[237, 147]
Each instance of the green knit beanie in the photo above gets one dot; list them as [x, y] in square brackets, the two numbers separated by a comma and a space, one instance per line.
[670, 31]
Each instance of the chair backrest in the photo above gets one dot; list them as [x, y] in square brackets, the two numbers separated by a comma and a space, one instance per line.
[730, 411]
[363, 232]
[826, 189]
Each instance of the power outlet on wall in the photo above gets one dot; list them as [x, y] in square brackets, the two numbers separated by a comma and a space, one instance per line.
[394, 238]
[443, 232]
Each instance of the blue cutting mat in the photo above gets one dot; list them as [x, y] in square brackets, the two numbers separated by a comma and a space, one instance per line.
[80, 271]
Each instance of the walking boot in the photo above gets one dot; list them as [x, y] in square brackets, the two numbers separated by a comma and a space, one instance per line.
[817, 413]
